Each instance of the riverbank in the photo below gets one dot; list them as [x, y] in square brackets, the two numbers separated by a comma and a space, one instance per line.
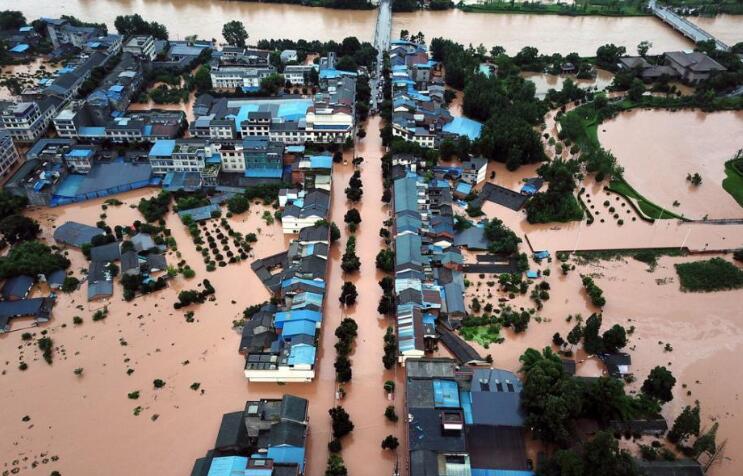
[577, 9]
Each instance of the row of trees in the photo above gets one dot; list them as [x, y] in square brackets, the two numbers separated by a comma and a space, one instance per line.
[136, 25]
[355, 190]
[346, 333]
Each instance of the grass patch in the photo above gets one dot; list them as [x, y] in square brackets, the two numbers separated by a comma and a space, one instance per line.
[648, 256]
[483, 335]
[715, 274]
[653, 211]
[733, 182]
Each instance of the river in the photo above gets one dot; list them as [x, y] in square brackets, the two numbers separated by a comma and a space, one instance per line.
[549, 33]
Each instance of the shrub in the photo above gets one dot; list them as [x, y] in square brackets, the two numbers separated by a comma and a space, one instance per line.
[158, 383]
[70, 284]
[390, 413]
[77, 320]
[133, 395]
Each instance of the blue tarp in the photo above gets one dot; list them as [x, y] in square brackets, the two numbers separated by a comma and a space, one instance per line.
[445, 394]
[464, 188]
[294, 149]
[80, 153]
[92, 132]
[290, 281]
[464, 126]
[280, 318]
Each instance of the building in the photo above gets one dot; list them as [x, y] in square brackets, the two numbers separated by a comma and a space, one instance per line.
[24, 121]
[16, 288]
[311, 207]
[298, 74]
[38, 308]
[267, 438]
[245, 77]
[142, 46]
[693, 67]
[63, 33]
[463, 422]
[8, 153]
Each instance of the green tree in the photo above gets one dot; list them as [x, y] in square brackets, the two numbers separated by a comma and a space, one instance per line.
[348, 294]
[335, 467]
[502, 239]
[31, 258]
[202, 80]
[659, 384]
[17, 228]
[615, 338]
[390, 442]
[643, 47]
[341, 422]
[636, 90]
[686, 424]
[234, 33]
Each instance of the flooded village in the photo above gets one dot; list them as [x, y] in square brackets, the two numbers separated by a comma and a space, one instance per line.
[273, 239]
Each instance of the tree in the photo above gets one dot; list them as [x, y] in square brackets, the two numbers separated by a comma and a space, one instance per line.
[390, 442]
[335, 467]
[592, 342]
[11, 20]
[343, 372]
[202, 80]
[238, 203]
[349, 261]
[17, 228]
[31, 258]
[706, 442]
[615, 338]
[659, 384]
[390, 413]
[636, 90]
[335, 232]
[348, 294]
[128, 25]
[272, 84]
[70, 284]
[685, 425]
[608, 55]
[603, 456]
[502, 239]
[575, 334]
[11, 204]
[390, 349]
[341, 422]
[386, 260]
[352, 218]
[234, 33]
[643, 47]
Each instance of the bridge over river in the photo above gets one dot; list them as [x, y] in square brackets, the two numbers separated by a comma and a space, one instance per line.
[684, 26]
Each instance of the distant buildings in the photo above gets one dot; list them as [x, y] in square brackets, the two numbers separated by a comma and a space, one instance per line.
[63, 33]
[267, 438]
[418, 107]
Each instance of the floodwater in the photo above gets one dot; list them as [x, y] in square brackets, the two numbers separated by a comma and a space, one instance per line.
[705, 331]
[186, 107]
[28, 74]
[665, 146]
[544, 82]
[549, 33]
[147, 335]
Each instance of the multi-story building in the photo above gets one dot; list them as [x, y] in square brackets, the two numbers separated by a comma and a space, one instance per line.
[24, 121]
[298, 74]
[8, 153]
[245, 77]
[142, 46]
[63, 33]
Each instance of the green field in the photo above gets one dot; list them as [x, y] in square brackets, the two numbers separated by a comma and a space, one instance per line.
[733, 183]
[715, 274]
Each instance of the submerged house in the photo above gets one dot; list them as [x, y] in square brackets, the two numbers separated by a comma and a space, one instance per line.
[267, 438]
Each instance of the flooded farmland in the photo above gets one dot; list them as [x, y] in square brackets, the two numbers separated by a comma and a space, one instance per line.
[659, 148]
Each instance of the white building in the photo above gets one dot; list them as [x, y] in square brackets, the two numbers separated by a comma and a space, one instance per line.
[25, 121]
[231, 77]
[8, 153]
[296, 74]
[142, 46]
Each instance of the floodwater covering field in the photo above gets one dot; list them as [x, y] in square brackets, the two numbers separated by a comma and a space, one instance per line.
[658, 148]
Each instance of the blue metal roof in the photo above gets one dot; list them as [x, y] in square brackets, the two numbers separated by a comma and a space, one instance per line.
[298, 327]
[445, 393]
[264, 173]
[464, 188]
[302, 354]
[464, 126]
[295, 149]
[310, 282]
[162, 148]
[228, 466]
[321, 161]
[281, 318]
[287, 454]
[117, 88]
[92, 132]
[19, 48]
[80, 153]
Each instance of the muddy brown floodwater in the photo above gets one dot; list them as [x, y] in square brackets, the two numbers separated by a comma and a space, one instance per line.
[549, 33]
[658, 148]
[72, 416]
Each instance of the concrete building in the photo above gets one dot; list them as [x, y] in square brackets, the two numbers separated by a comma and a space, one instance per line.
[245, 77]
[63, 33]
[8, 153]
[692, 67]
[142, 46]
